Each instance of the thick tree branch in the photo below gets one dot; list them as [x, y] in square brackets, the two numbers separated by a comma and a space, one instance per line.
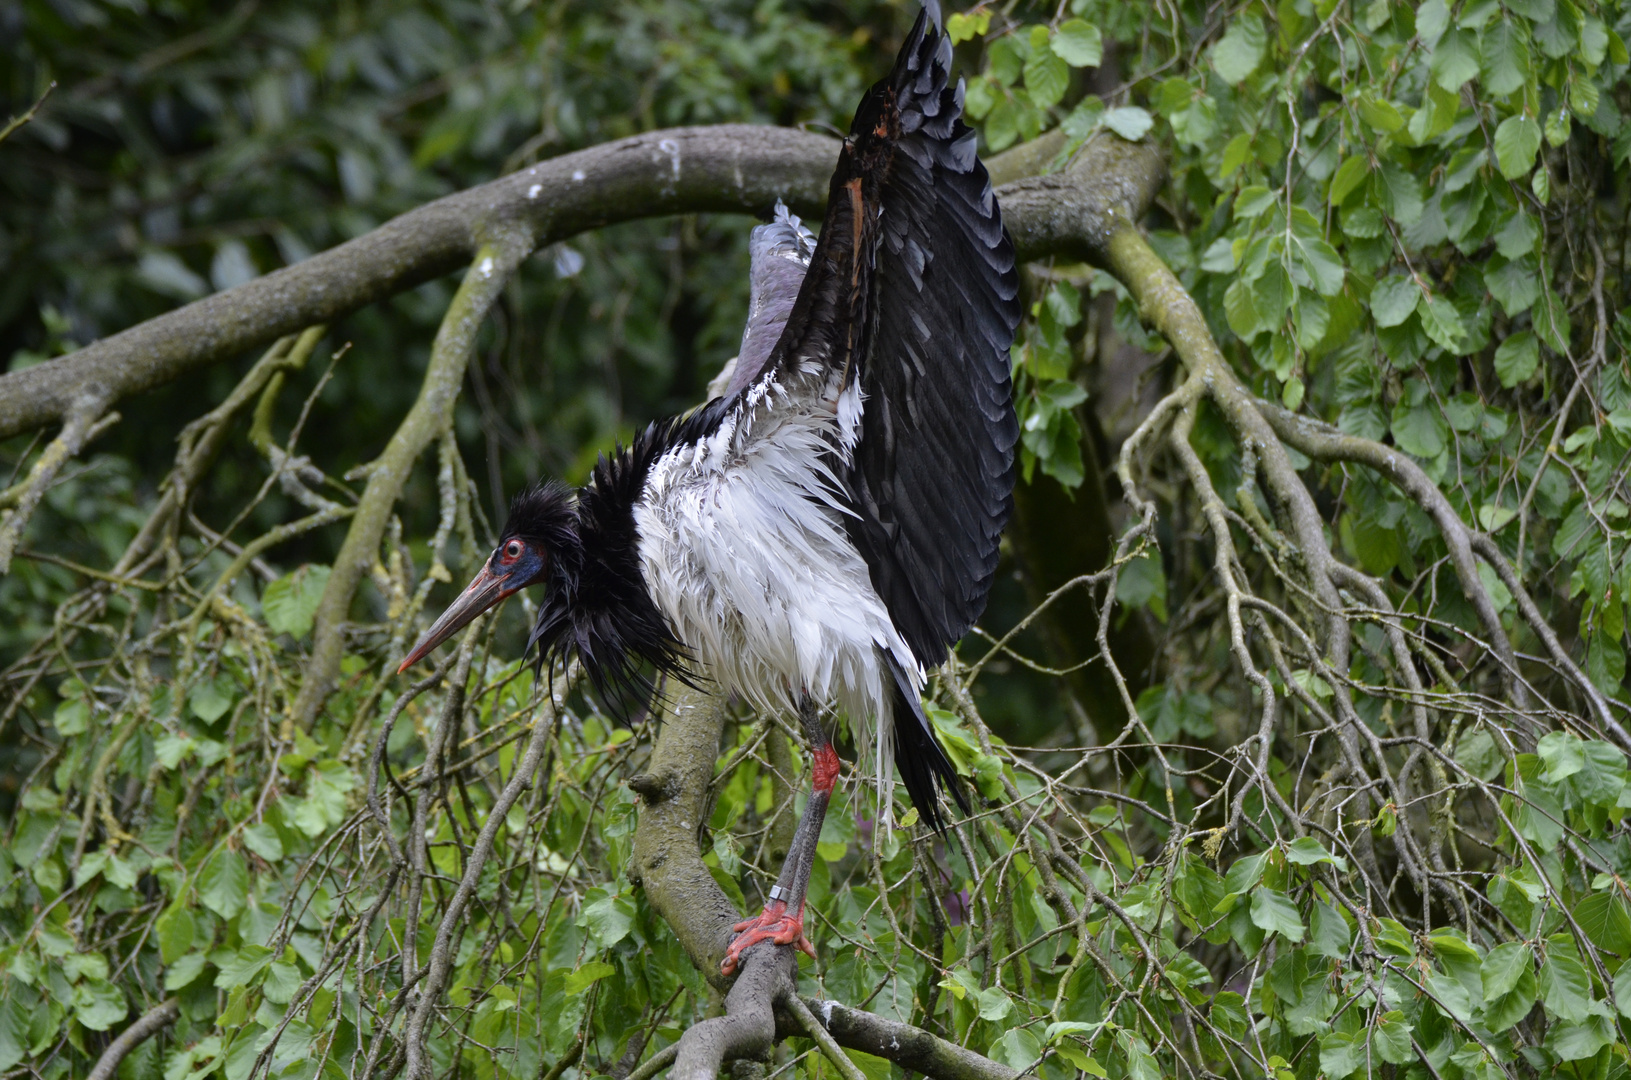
[731, 167]
[667, 859]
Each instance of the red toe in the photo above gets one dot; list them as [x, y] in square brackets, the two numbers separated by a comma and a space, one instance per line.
[774, 924]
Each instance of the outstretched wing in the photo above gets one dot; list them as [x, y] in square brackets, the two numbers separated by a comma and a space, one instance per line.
[912, 297]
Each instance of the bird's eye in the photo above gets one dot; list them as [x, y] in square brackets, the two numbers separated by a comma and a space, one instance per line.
[512, 550]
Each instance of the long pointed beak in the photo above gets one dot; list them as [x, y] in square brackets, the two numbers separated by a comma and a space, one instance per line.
[484, 592]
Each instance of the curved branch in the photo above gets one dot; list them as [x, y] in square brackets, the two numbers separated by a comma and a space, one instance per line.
[730, 168]
[1323, 442]
[907, 1046]
[150, 1023]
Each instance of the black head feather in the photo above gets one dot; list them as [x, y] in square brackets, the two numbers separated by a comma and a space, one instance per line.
[597, 607]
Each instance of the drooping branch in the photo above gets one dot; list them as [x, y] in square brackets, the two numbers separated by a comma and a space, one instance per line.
[430, 416]
[1325, 443]
[729, 168]
[83, 422]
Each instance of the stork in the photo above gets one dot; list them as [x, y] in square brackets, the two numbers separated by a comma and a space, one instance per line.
[820, 533]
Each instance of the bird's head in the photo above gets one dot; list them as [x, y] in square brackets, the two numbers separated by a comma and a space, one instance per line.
[539, 545]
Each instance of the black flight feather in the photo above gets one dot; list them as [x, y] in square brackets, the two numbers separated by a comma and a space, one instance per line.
[912, 291]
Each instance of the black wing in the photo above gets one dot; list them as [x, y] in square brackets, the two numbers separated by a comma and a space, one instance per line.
[912, 291]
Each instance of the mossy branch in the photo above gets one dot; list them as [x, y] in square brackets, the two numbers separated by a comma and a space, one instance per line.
[430, 416]
[728, 168]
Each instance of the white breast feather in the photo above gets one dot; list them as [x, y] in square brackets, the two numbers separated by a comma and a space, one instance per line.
[743, 548]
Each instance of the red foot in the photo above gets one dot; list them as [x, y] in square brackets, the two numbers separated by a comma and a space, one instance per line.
[824, 769]
[776, 924]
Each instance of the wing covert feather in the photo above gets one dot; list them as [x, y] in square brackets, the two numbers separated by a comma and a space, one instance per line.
[912, 291]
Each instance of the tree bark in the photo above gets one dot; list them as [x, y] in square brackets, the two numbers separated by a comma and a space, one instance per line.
[145, 1027]
[729, 168]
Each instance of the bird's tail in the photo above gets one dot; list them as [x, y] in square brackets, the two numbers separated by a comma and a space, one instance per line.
[919, 757]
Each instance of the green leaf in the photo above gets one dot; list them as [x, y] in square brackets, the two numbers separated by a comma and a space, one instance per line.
[1574, 1042]
[174, 930]
[1501, 1013]
[210, 699]
[1455, 60]
[184, 971]
[1432, 19]
[99, 1005]
[1312, 317]
[1243, 875]
[72, 717]
[1381, 114]
[264, 841]
[1443, 324]
[1463, 167]
[290, 603]
[1604, 919]
[1142, 582]
[239, 968]
[1504, 65]
[1516, 142]
[1504, 967]
[1018, 1049]
[1622, 990]
[1129, 121]
[587, 975]
[1515, 284]
[1307, 851]
[608, 919]
[994, 1003]
[1349, 175]
[1047, 77]
[1273, 911]
[1391, 1040]
[1240, 50]
[1602, 777]
[1330, 935]
[14, 1024]
[1516, 358]
[1240, 308]
[962, 27]
[1561, 753]
[1341, 1055]
[1400, 192]
[223, 885]
[1565, 988]
[1517, 235]
[1078, 43]
[1319, 262]
[1419, 429]
[1393, 300]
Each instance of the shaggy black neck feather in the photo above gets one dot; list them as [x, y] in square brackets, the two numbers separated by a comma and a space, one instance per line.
[598, 607]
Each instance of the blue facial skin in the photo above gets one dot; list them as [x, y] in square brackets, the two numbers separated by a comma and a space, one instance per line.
[511, 568]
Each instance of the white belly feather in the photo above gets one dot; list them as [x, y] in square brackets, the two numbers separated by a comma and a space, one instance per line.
[743, 548]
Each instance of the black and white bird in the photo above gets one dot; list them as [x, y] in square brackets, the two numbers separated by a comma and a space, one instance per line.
[824, 530]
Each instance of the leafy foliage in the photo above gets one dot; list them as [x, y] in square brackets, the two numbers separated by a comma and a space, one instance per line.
[1407, 220]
